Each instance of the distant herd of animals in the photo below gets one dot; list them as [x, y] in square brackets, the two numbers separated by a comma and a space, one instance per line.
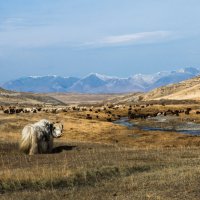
[37, 138]
[16, 110]
[135, 115]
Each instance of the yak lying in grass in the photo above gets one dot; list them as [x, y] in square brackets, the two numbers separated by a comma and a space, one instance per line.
[38, 138]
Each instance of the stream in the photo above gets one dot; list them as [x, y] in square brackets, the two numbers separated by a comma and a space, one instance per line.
[161, 124]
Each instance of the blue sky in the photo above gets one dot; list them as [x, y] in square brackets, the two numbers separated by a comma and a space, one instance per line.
[113, 37]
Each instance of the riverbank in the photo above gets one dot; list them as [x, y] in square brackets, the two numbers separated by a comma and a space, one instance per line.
[161, 123]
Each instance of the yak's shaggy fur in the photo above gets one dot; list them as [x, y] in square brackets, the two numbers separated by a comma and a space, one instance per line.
[38, 137]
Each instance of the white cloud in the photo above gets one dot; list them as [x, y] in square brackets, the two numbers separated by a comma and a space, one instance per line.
[136, 37]
[132, 39]
[19, 32]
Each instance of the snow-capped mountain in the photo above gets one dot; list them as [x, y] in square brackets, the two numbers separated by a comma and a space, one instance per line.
[89, 82]
[97, 83]
[41, 84]
[174, 77]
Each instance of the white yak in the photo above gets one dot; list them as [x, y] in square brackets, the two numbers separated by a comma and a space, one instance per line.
[38, 137]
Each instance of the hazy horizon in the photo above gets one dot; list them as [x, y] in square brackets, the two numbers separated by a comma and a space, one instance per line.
[75, 38]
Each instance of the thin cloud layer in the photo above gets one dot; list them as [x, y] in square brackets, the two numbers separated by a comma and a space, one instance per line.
[108, 37]
[20, 32]
[132, 39]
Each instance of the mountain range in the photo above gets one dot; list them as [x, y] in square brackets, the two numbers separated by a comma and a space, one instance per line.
[97, 83]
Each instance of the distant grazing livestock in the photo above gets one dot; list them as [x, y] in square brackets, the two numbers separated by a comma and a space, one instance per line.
[187, 112]
[38, 138]
[109, 119]
[88, 116]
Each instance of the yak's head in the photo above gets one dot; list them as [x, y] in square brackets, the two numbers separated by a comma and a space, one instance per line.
[57, 129]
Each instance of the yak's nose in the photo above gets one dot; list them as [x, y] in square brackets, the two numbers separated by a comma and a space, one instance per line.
[58, 133]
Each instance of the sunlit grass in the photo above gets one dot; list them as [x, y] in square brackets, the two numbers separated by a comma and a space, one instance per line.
[104, 161]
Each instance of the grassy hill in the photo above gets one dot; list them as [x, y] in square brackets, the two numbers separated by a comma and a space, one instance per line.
[189, 89]
[11, 98]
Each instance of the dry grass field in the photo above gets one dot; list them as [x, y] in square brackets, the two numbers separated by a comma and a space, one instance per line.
[97, 159]
[77, 98]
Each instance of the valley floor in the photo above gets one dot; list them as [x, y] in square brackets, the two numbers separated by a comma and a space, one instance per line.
[97, 159]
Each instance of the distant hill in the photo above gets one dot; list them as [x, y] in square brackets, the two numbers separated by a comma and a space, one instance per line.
[3, 90]
[12, 98]
[189, 89]
[97, 83]
[184, 90]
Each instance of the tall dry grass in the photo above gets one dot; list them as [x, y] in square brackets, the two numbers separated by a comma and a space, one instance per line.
[103, 171]
[98, 160]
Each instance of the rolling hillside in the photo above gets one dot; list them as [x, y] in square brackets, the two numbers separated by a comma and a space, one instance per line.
[189, 89]
[184, 90]
[11, 98]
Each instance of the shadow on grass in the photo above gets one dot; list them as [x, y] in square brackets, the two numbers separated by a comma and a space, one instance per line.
[62, 148]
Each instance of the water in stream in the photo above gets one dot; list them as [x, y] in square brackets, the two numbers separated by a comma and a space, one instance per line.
[186, 128]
